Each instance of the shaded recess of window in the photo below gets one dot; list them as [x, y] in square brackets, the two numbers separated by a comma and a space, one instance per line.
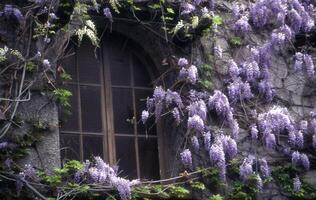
[113, 83]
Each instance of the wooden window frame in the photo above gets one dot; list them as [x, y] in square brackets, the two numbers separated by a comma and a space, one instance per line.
[107, 113]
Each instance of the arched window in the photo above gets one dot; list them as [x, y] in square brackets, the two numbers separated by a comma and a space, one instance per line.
[109, 86]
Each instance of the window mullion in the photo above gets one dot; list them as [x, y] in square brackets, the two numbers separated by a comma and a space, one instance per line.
[134, 113]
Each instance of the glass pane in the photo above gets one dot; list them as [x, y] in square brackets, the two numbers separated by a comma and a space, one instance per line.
[141, 75]
[69, 147]
[91, 108]
[92, 146]
[150, 126]
[69, 122]
[126, 156]
[120, 69]
[69, 64]
[148, 158]
[123, 110]
[88, 65]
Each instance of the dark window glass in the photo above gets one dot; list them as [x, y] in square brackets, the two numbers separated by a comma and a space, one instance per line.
[150, 126]
[88, 65]
[70, 121]
[91, 108]
[126, 156]
[123, 110]
[92, 146]
[148, 158]
[120, 70]
[141, 75]
[70, 147]
[69, 65]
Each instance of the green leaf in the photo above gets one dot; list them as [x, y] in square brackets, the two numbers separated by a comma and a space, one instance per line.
[217, 20]
[170, 10]
[195, 21]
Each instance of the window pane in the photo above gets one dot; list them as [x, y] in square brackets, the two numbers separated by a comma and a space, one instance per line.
[88, 65]
[150, 126]
[126, 156]
[91, 108]
[120, 69]
[123, 110]
[141, 75]
[69, 64]
[148, 158]
[92, 146]
[70, 121]
[70, 147]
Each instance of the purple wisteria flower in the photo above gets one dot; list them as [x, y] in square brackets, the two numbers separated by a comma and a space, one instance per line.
[254, 132]
[187, 8]
[186, 158]
[314, 141]
[233, 69]
[264, 168]
[277, 119]
[159, 94]
[295, 20]
[242, 25]
[229, 146]
[195, 143]
[217, 157]
[296, 184]
[123, 186]
[198, 108]
[270, 141]
[250, 70]
[176, 115]
[173, 97]
[207, 140]
[182, 62]
[299, 140]
[190, 74]
[150, 104]
[298, 64]
[29, 173]
[10, 12]
[292, 139]
[305, 161]
[145, 115]
[107, 13]
[309, 65]
[245, 169]
[219, 102]
[296, 156]
[196, 123]
[265, 90]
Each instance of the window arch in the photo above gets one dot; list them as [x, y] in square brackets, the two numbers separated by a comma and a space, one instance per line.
[109, 87]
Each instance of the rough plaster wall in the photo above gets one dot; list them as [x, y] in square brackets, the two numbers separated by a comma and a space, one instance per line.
[45, 154]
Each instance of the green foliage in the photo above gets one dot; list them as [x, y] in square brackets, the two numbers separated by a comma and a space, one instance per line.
[30, 66]
[205, 76]
[283, 176]
[197, 185]
[87, 27]
[62, 96]
[235, 40]
[216, 197]
[65, 76]
[115, 5]
[178, 191]
[3, 52]
[217, 20]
